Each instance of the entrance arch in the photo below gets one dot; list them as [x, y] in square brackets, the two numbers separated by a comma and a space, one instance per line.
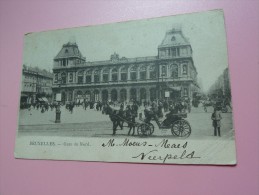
[143, 94]
[123, 95]
[153, 94]
[133, 94]
[105, 95]
[114, 95]
[96, 95]
[87, 95]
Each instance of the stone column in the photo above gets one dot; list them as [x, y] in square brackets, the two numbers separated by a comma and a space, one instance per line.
[148, 72]
[110, 75]
[118, 94]
[84, 74]
[119, 74]
[75, 77]
[128, 94]
[92, 77]
[168, 71]
[101, 76]
[138, 73]
[128, 74]
[147, 94]
[180, 70]
[137, 94]
[109, 95]
[100, 95]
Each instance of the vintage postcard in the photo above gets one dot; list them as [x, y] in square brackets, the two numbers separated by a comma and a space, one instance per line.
[148, 91]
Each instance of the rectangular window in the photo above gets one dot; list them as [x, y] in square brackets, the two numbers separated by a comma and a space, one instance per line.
[64, 62]
[124, 76]
[178, 51]
[173, 52]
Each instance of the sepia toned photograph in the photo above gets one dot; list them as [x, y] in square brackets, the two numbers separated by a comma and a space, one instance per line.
[148, 91]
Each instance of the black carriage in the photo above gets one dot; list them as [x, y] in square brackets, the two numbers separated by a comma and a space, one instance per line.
[174, 121]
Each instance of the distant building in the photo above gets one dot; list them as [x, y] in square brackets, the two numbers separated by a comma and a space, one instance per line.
[221, 87]
[36, 84]
[127, 79]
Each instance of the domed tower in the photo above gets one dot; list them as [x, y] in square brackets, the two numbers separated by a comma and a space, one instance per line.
[174, 45]
[176, 65]
[69, 55]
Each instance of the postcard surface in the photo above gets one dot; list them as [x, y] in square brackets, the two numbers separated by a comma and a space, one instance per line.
[147, 91]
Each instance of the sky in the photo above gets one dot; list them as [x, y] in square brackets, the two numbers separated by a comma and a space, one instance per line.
[205, 32]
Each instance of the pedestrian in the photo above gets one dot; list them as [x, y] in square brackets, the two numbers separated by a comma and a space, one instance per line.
[216, 118]
[131, 115]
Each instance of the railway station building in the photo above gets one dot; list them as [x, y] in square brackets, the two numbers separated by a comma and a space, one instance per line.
[170, 74]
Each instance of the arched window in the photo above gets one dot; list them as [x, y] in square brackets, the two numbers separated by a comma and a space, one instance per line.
[55, 79]
[133, 73]
[174, 71]
[185, 70]
[63, 78]
[153, 72]
[124, 73]
[105, 75]
[88, 76]
[114, 74]
[163, 71]
[70, 77]
[143, 73]
[96, 76]
[80, 77]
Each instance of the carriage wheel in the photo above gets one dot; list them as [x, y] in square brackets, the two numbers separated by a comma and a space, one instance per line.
[152, 128]
[145, 129]
[181, 128]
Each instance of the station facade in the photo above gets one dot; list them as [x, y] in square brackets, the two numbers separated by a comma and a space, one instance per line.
[171, 74]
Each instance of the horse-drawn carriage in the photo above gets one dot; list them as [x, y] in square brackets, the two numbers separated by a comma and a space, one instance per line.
[174, 121]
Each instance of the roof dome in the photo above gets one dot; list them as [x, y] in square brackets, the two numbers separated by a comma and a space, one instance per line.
[69, 50]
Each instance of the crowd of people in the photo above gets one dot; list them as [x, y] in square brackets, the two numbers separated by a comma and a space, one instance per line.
[122, 113]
